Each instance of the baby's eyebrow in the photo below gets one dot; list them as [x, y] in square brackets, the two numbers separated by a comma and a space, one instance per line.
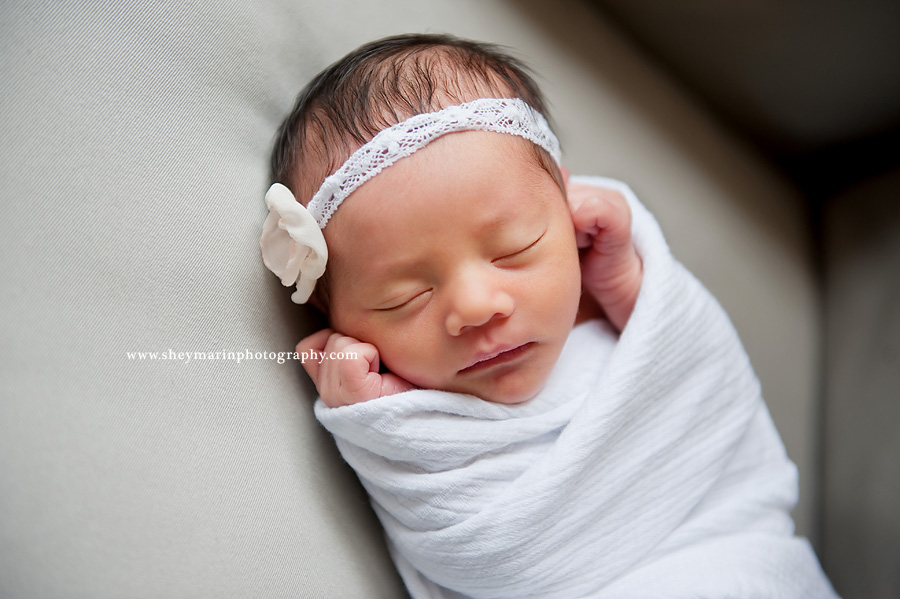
[498, 222]
[386, 281]
[391, 267]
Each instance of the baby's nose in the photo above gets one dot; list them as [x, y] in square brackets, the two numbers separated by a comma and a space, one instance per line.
[475, 301]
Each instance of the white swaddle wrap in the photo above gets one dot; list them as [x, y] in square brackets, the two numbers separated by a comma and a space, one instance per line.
[648, 466]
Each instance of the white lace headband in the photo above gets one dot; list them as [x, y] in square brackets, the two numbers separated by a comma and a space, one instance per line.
[292, 243]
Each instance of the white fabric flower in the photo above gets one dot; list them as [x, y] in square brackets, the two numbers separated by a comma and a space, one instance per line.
[292, 244]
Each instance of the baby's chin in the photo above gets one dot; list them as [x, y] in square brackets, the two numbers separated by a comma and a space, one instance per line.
[506, 391]
[511, 397]
[514, 400]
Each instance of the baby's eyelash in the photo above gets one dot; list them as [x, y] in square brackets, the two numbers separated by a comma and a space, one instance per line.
[404, 304]
[524, 249]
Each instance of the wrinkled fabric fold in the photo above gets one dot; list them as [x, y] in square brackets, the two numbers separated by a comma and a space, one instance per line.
[647, 464]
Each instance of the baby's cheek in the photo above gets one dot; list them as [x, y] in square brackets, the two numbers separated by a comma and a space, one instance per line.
[409, 356]
[565, 273]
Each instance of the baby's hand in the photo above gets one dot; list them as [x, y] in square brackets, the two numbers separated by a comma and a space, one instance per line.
[346, 381]
[611, 270]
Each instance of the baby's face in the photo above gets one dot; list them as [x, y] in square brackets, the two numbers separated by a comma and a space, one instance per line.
[459, 264]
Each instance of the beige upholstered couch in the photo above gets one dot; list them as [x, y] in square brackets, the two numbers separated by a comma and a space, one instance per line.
[135, 140]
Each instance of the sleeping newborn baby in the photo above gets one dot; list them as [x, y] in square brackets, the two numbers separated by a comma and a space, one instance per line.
[542, 402]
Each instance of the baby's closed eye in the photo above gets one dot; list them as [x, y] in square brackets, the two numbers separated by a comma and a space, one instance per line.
[407, 300]
[511, 258]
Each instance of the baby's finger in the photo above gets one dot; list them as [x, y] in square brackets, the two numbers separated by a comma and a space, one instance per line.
[391, 384]
[583, 217]
[577, 193]
[606, 219]
[310, 347]
[350, 348]
[353, 373]
[615, 225]
[316, 341]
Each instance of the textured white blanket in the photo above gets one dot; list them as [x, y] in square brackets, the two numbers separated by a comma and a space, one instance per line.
[647, 467]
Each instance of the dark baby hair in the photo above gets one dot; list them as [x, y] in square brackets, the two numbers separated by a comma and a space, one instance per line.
[380, 84]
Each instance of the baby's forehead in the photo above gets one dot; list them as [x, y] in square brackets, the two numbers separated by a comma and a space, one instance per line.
[469, 179]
